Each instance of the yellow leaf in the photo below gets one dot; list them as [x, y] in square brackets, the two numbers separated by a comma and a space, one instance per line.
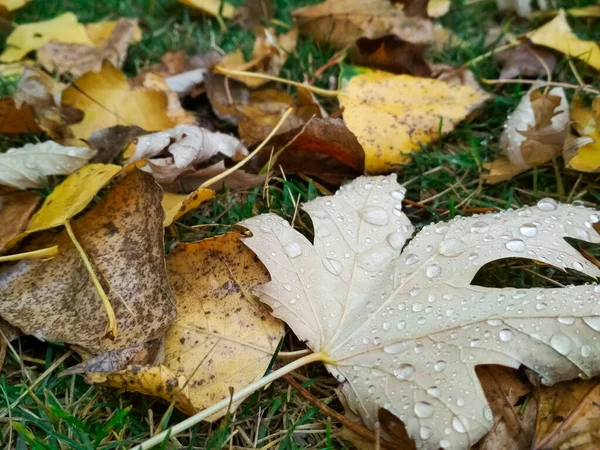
[99, 32]
[31, 36]
[222, 336]
[212, 7]
[176, 205]
[437, 8]
[582, 152]
[392, 115]
[107, 100]
[12, 5]
[557, 34]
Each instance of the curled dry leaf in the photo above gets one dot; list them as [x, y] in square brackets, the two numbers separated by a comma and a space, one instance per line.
[392, 115]
[341, 22]
[27, 167]
[212, 7]
[31, 36]
[176, 205]
[181, 148]
[175, 111]
[238, 180]
[557, 34]
[16, 119]
[525, 59]
[254, 13]
[268, 56]
[123, 237]
[15, 210]
[78, 59]
[222, 336]
[404, 328]
[533, 134]
[112, 141]
[582, 148]
[107, 100]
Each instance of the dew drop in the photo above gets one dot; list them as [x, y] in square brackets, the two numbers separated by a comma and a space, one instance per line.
[494, 322]
[416, 307]
[333, 266]
[541, 306]
[487, 413]
[423, 410]
[434, 391]
[404, 371]
[411, 259]
[434, 271]
[293, 249]
[322, 232]
[586, 351]
[516, 245]
[528, 229]
[442, 228]
[577, 265]
[593, 322]
[475, 343]
[396, 240]
[402, 325]
[460, 401]
[452, 247]
[425, 432]
[445, 443]
[547, 204]
[458, 425]
[287, 287]
[371, 389]
[397, 195]
[594, 218]
[506, 335]
[480, 227]
[375, 216]
[386, 326]
[439, 366]
[561, 343]
[566, 320]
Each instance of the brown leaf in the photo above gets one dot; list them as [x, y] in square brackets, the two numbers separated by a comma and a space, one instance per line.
[391, 54]
[15, 211]
[568, 412]
[16, 119]
[123, 237]
[254, 13]
[78, 59]
[341, 22]
[237, 180]
[224, 95]
[525, 59]
[175, 111]
[110, 142]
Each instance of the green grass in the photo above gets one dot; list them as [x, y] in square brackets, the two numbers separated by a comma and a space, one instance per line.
[57, 413]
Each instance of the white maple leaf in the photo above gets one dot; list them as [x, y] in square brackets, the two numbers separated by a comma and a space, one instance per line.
[404, 330]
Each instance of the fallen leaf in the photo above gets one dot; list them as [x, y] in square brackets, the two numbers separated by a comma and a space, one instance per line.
[238, 180]
[31, 36]
[254, 13]
[437, 8]
[123, 237]
[180, 149]
[404, 330]
[557, 34]
[393, 115]
[15, 210]
[521, 7]
[78, 59]
[108, 100]
[585, 11]
[16, 119]
[8, 6]
[391, 54]
[341, 22]
[525, 59]
[568, 416]
[110, 142]
[28, 166]
[176, 205]
[175, 111]
[582, 151]
[222, 336]
[268, 56]
[100, 32]
[225, 95]
[212, 7]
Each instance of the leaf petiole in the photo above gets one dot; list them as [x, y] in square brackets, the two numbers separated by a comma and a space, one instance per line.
[48, 252]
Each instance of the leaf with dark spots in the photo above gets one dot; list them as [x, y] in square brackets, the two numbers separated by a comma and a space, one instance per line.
[56, 300]
[222, 336]
[15, 210]
[526, 59]
[110, 142]
[391, 54]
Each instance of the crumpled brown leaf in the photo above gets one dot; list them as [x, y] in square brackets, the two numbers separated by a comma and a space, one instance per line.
[78, 59]
[185, 147]
[341, 22]
[238, 180]
[525, 59]
[110, 142]
[16, 119]
[123, 238]
[254, 13]
[15, 211]
[222, 337]
[268, 56]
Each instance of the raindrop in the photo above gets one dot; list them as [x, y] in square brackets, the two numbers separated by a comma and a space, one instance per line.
[423, 410]
[561, 343]
[528, 229]
[460, 401]
[425, 432]
[547, 204]
[566, 320]
[416, 307]
[494, 322]
[293, 249]
[404, 371]
[287, 287]
[322, 232]
[540, 306]
[439, 366]
[434, 391]
[577, 265]
[375, 216]
[442, 229]
[593, 322]
[397, 195]
[452, 247]
[402, 325]
[506, 335]
[480, 227]
[458, 425]
[434, 270]
[475, 343]
[333, 266]
[586, 351]
[396, 240]
[516, 245]
[371, 389]
[595, 218]
[411, 259]
[487, 413]
[445, 443]
[386, 326]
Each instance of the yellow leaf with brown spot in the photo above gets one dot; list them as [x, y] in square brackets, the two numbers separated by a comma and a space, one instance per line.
[557, 34]
[212, 7]
[31, 36]
[582, 150]
[222, 337]
[107, 100]
[393, 115]
[99, 32]
[176, 205]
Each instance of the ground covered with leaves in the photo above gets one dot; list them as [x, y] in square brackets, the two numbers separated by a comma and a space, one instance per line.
[440, 94]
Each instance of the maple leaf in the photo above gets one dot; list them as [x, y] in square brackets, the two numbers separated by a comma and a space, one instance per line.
[404, 330]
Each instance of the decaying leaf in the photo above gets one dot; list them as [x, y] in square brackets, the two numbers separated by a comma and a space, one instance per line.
[107, 100]
[100, 32]
[582, 150]
[31, 36]
[78, 59]
[268, 56]
[112, 141]
[28, 166]
[15, 210]
[16, 119]
[525, 59]
[176, 151]
[176, 205]
[175, 111]
[534, 133]
[222, 336]
[392, 115]
[568, 416]
[239, 179]
[404, 330]
[254, 13]
[557, 34]
[123, 237]
[341, 22]
[212, 7]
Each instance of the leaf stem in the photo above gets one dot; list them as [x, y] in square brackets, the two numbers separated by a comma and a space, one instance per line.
[264, 76]
[48, 252]
[193, 420]
[111, 329]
